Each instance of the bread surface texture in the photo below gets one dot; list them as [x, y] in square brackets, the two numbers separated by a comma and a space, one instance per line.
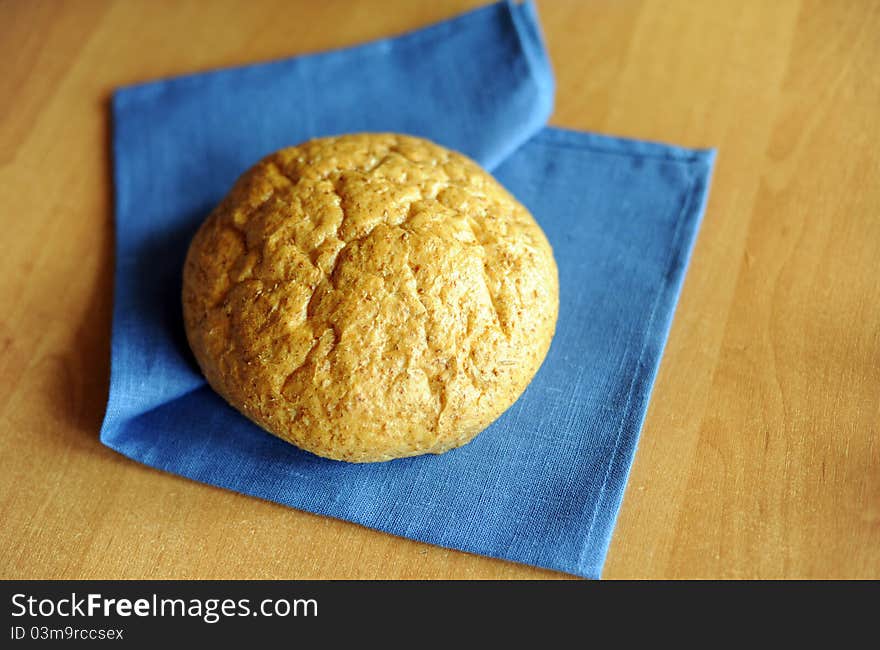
[369, 297]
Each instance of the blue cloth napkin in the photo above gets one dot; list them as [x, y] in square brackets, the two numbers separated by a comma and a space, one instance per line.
[544, 483]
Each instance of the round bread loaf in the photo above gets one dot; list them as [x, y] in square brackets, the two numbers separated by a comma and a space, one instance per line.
[369, 297]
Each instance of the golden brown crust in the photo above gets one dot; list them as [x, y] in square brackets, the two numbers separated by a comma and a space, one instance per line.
[370, 296]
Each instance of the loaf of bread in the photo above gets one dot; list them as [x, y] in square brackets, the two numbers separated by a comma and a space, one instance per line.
[369, 297]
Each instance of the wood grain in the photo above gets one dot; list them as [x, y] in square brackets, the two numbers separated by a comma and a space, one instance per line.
[760, 456]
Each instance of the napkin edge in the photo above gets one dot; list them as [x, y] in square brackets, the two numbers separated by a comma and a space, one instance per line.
[658, 332]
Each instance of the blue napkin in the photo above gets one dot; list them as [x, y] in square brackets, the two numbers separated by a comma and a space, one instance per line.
[544, 483]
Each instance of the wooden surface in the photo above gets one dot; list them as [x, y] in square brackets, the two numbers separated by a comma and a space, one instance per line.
[760, 456]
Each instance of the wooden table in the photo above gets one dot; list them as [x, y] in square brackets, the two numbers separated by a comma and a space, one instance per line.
[760, 456]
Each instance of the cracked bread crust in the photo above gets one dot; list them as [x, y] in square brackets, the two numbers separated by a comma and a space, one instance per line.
[369, 297]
